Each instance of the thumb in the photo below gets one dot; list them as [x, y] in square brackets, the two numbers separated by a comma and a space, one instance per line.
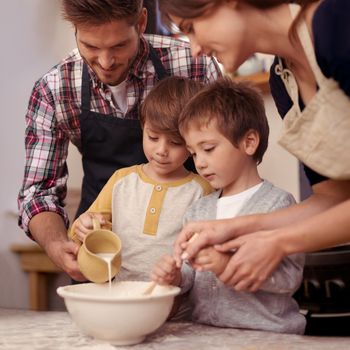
[72, 247]
[100, 218]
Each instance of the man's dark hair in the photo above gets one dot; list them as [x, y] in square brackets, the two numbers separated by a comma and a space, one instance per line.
[96, 12]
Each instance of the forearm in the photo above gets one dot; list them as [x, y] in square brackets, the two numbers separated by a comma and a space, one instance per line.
[325, 223]
[47, 227]
[45, 177]
[247, 224]
[326, 229]
[326, 195]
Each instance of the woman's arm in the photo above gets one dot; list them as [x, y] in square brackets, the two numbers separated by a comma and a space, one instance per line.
[326, 195]
[263, 240]
[259, 253]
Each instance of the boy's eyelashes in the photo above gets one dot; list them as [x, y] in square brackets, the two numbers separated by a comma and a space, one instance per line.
[174, 141]
[209, 149]
[177, 143]
[153, 138]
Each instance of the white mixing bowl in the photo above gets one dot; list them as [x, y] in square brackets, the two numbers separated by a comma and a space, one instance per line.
[122, 315]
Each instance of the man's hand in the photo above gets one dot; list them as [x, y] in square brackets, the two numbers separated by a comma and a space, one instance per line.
[64, 255]
[50, 233]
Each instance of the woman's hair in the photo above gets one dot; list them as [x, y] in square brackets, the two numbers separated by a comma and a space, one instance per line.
[196, 8]
[235, 107]
[162, 106]
[96, 12]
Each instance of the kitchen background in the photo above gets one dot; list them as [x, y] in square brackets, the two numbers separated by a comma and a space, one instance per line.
[33, 39]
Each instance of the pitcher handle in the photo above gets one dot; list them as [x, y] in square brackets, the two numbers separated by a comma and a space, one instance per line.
[95, 224]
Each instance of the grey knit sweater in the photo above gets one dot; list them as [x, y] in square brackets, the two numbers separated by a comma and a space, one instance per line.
[272, 308]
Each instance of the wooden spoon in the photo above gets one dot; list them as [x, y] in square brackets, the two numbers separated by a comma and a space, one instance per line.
[149, 289]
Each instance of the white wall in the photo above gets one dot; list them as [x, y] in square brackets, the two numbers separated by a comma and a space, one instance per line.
[33, 38]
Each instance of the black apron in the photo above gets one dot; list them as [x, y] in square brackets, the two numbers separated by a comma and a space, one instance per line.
[108, 143]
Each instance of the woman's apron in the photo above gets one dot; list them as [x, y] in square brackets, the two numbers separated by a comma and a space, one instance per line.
[108, 143]
[319, 136]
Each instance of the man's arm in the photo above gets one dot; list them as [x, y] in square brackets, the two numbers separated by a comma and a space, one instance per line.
[40, 200]
[45, 173]
[49, 231]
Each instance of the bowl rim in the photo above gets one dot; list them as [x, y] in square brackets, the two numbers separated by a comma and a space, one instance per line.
[64, 292]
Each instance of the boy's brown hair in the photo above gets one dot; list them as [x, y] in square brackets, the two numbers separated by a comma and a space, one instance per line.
[164, 103]
[236, 107]
[96, 12]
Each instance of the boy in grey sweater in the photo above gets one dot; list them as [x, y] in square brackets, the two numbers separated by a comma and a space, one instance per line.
[226, 131]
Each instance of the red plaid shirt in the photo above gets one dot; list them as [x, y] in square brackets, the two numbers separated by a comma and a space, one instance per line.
[55, 105]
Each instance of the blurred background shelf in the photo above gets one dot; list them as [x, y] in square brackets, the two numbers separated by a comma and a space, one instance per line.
[260, 80]
[38, 265]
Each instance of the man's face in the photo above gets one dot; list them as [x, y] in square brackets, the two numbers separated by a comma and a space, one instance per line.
[110, 48]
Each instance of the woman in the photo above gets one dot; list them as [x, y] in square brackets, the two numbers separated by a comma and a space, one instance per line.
[310, 83]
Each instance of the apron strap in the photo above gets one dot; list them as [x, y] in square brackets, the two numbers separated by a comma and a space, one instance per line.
[289, 82]
[157, 63]
[85, 89]
[307, 45]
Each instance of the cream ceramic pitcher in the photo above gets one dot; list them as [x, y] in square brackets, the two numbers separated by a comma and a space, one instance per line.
[98, 244]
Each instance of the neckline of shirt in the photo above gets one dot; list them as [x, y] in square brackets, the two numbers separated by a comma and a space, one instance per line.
[146, 178]
[236, 197]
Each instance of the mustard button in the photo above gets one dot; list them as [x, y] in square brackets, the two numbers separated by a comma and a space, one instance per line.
[153, 210]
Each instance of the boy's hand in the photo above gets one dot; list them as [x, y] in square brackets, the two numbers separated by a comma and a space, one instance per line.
[209, 259]
[84, 224]
[165, 271]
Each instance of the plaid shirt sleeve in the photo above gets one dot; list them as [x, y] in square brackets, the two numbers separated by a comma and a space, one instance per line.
[213, 71]
[44, 185]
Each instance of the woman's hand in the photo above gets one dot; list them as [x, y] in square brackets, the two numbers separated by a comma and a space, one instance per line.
[166, 272]
[209, 233]
[84, 224]
[257, 256]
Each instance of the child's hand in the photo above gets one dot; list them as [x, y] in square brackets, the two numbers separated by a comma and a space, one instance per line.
[84, 225]
[209, 259]
[166, 272]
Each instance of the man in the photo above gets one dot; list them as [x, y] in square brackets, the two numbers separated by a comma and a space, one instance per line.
[92, 99]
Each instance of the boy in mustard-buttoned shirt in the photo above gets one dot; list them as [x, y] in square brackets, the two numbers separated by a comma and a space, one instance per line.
[146, 203]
